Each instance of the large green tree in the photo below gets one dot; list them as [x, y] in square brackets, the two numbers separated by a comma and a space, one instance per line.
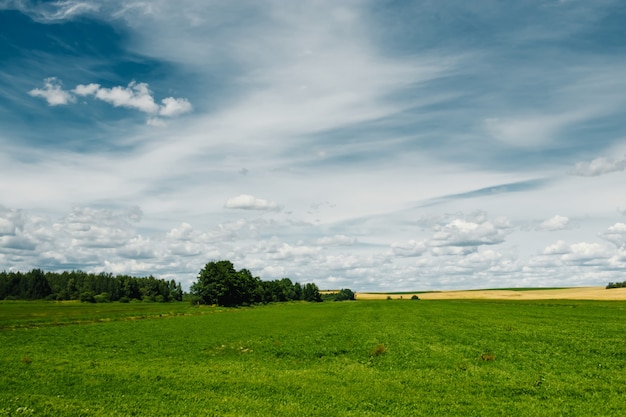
[219, 283]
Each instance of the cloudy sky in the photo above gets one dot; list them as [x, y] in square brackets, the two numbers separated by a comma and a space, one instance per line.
[375, 145]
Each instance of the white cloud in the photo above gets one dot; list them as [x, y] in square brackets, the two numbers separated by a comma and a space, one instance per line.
[134, 96]
[6, 227]
[452, 250]
[616, 234]
[585, 252]
[461, 232]
[57, 11]
[174, 106]
[410, 248]
[533, 130]
[156, 122]
[19, 242]
[86, 90]
[248, 202]
[138, 247]
[558, 248]
[53, 93]
[338, 240]
[599, 166]
[555, 223]
[183, 232]
[287, 251]
[578, 253]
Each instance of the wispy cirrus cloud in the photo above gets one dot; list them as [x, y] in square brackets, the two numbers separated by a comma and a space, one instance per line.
[53, 11]
[599, 166]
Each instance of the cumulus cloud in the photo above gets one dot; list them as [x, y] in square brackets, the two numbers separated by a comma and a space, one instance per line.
[616, 234]
[86, 90]
[135, 95]
[137, 247]
[585, 252]
[581, 253]
[174, 106]
[7, 228]
[338, 240]
[555, 223]
[182, 232]
[453, 250]
[599, 166]
[558, 248]
[53, 93]
[462, 232]
[287, 251]
[409, 249]
[21, 243]
[248, 202]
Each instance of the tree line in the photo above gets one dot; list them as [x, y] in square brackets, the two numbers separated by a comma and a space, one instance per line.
[89, 287]
[616, 285]
[221, 284]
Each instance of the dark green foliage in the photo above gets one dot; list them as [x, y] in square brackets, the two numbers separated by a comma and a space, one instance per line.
[310, 292]
[221, 284]
[344, 294]
[87, 297]
[616, 285]
[415, 297]
[88, 287]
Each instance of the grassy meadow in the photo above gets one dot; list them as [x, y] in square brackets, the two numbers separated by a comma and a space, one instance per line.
[363, 358]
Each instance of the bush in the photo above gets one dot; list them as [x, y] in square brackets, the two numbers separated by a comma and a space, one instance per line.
[124, 300]
[344, 294]
[415, 297]
[104, 297]
[87, 297]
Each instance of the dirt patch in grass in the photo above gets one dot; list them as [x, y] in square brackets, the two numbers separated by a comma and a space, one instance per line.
[577, 293]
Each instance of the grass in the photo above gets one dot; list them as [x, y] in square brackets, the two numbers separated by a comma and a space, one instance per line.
[364, 358]
[15, 314]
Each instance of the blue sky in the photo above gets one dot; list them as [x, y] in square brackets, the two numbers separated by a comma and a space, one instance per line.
[374, 145]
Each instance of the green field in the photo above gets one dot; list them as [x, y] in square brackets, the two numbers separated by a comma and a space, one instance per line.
[363, 358]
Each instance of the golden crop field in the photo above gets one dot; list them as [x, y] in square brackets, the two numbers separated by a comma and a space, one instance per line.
[577, 293]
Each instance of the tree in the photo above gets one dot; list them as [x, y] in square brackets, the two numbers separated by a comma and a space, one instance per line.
[310, 292]
[35, 285]
[219, 283]
[344, 294]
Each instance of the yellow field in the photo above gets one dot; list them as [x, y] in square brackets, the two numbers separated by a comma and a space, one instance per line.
[578, 293]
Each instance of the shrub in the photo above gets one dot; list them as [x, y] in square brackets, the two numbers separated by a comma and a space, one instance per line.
[415, 297]
[87, 297]
[344, 294]
[104, 297]
[378, 350]
[124, 300]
